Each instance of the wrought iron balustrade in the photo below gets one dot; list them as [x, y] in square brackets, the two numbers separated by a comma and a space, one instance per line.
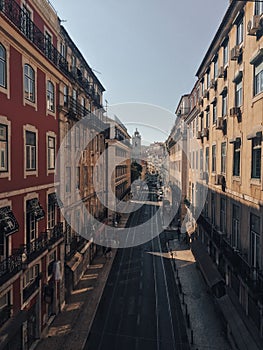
[31, 288]
[5, 314]
[26, 26]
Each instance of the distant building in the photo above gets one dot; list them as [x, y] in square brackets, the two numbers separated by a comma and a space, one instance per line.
[136, 147]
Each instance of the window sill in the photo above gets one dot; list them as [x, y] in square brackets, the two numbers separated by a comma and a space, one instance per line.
[51, 113]
[256, 98]
[256, 182]
[30, 103]
[31, 173]
[5, 91]
[236, 178]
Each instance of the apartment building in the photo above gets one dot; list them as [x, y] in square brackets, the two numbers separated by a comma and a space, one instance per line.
[31, 232]
[46, 87]
[225, 120]
[82, 133]
[118, 157]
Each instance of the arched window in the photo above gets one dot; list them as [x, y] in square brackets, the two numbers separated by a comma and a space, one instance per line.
[2, 66]
[50, 96]
[29, 76]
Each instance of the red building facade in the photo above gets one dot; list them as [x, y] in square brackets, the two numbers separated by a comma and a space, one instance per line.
[31, 234]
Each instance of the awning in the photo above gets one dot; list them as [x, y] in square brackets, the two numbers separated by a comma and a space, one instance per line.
[210, 272]
[238, 76]
[10, 328]
[34, 206]
[52, 198]
[236, 139]
[8, 222]
[255, 132]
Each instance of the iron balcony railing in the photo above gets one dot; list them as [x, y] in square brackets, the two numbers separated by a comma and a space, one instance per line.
[5, 314]
[21, 20]
[31, 288]
[19, 17]
[29, 252]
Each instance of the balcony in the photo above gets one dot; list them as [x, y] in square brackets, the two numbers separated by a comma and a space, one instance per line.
[14, 263]
[55, 234]
[31, 288]
[74, 246]
[251, 276]
[19, 18]
[5, 314]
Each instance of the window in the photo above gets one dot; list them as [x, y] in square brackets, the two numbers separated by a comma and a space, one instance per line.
[202, 86]
[235, 234]
[30, 275]
[30, 150]
[256, 158]
[74, 100]
[3, 148]
[213, 158]
[65, 95]
[255, 240]
[31, 227]
[236, 158]
[214, 113]
[26, 22]
[258, 7]
[213, 208]
[239, 38]
[2, 66]
[258, 77]
[238, 94]
[223, 215]
[77, 177]
[223, 157]
[63, 50]
[68, 180]
[201, 160]
[215, 67]
[208, 78]
[206, 159]
[29, 78]
[51, 214]
[225, 53]
[51, 152]
[85, 176]
[77, 137]
[50, 96]
[48, 44]
[224, 105]
[83, 102]
[207, 118]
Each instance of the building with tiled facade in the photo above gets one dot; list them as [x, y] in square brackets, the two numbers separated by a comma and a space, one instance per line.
[46, 87]
[225, 120]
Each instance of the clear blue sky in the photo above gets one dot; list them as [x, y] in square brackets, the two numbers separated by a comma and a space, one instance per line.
[147, 51]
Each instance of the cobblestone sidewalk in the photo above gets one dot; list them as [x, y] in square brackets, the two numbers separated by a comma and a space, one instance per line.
[205, 329]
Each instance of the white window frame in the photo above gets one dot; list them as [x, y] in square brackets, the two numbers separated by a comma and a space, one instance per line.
[51, 167]
[51, 96]
[33, 129]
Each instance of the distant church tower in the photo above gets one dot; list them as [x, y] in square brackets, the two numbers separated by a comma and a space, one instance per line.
[136, 147]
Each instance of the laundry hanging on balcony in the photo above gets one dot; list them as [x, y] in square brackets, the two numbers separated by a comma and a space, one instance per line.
[8, 222]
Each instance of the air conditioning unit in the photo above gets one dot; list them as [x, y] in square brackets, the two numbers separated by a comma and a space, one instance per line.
[235, 111]
[199, 134]
[213, 84]
[219, 123]
[206, 93]
[254, 25]
[205, 132]
[200, 101]
[235, 52]
[221, 72]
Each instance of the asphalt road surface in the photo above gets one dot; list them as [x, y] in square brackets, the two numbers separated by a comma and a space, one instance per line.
[140, 307]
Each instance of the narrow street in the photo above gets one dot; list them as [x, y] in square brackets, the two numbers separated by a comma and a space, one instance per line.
[140, 307]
